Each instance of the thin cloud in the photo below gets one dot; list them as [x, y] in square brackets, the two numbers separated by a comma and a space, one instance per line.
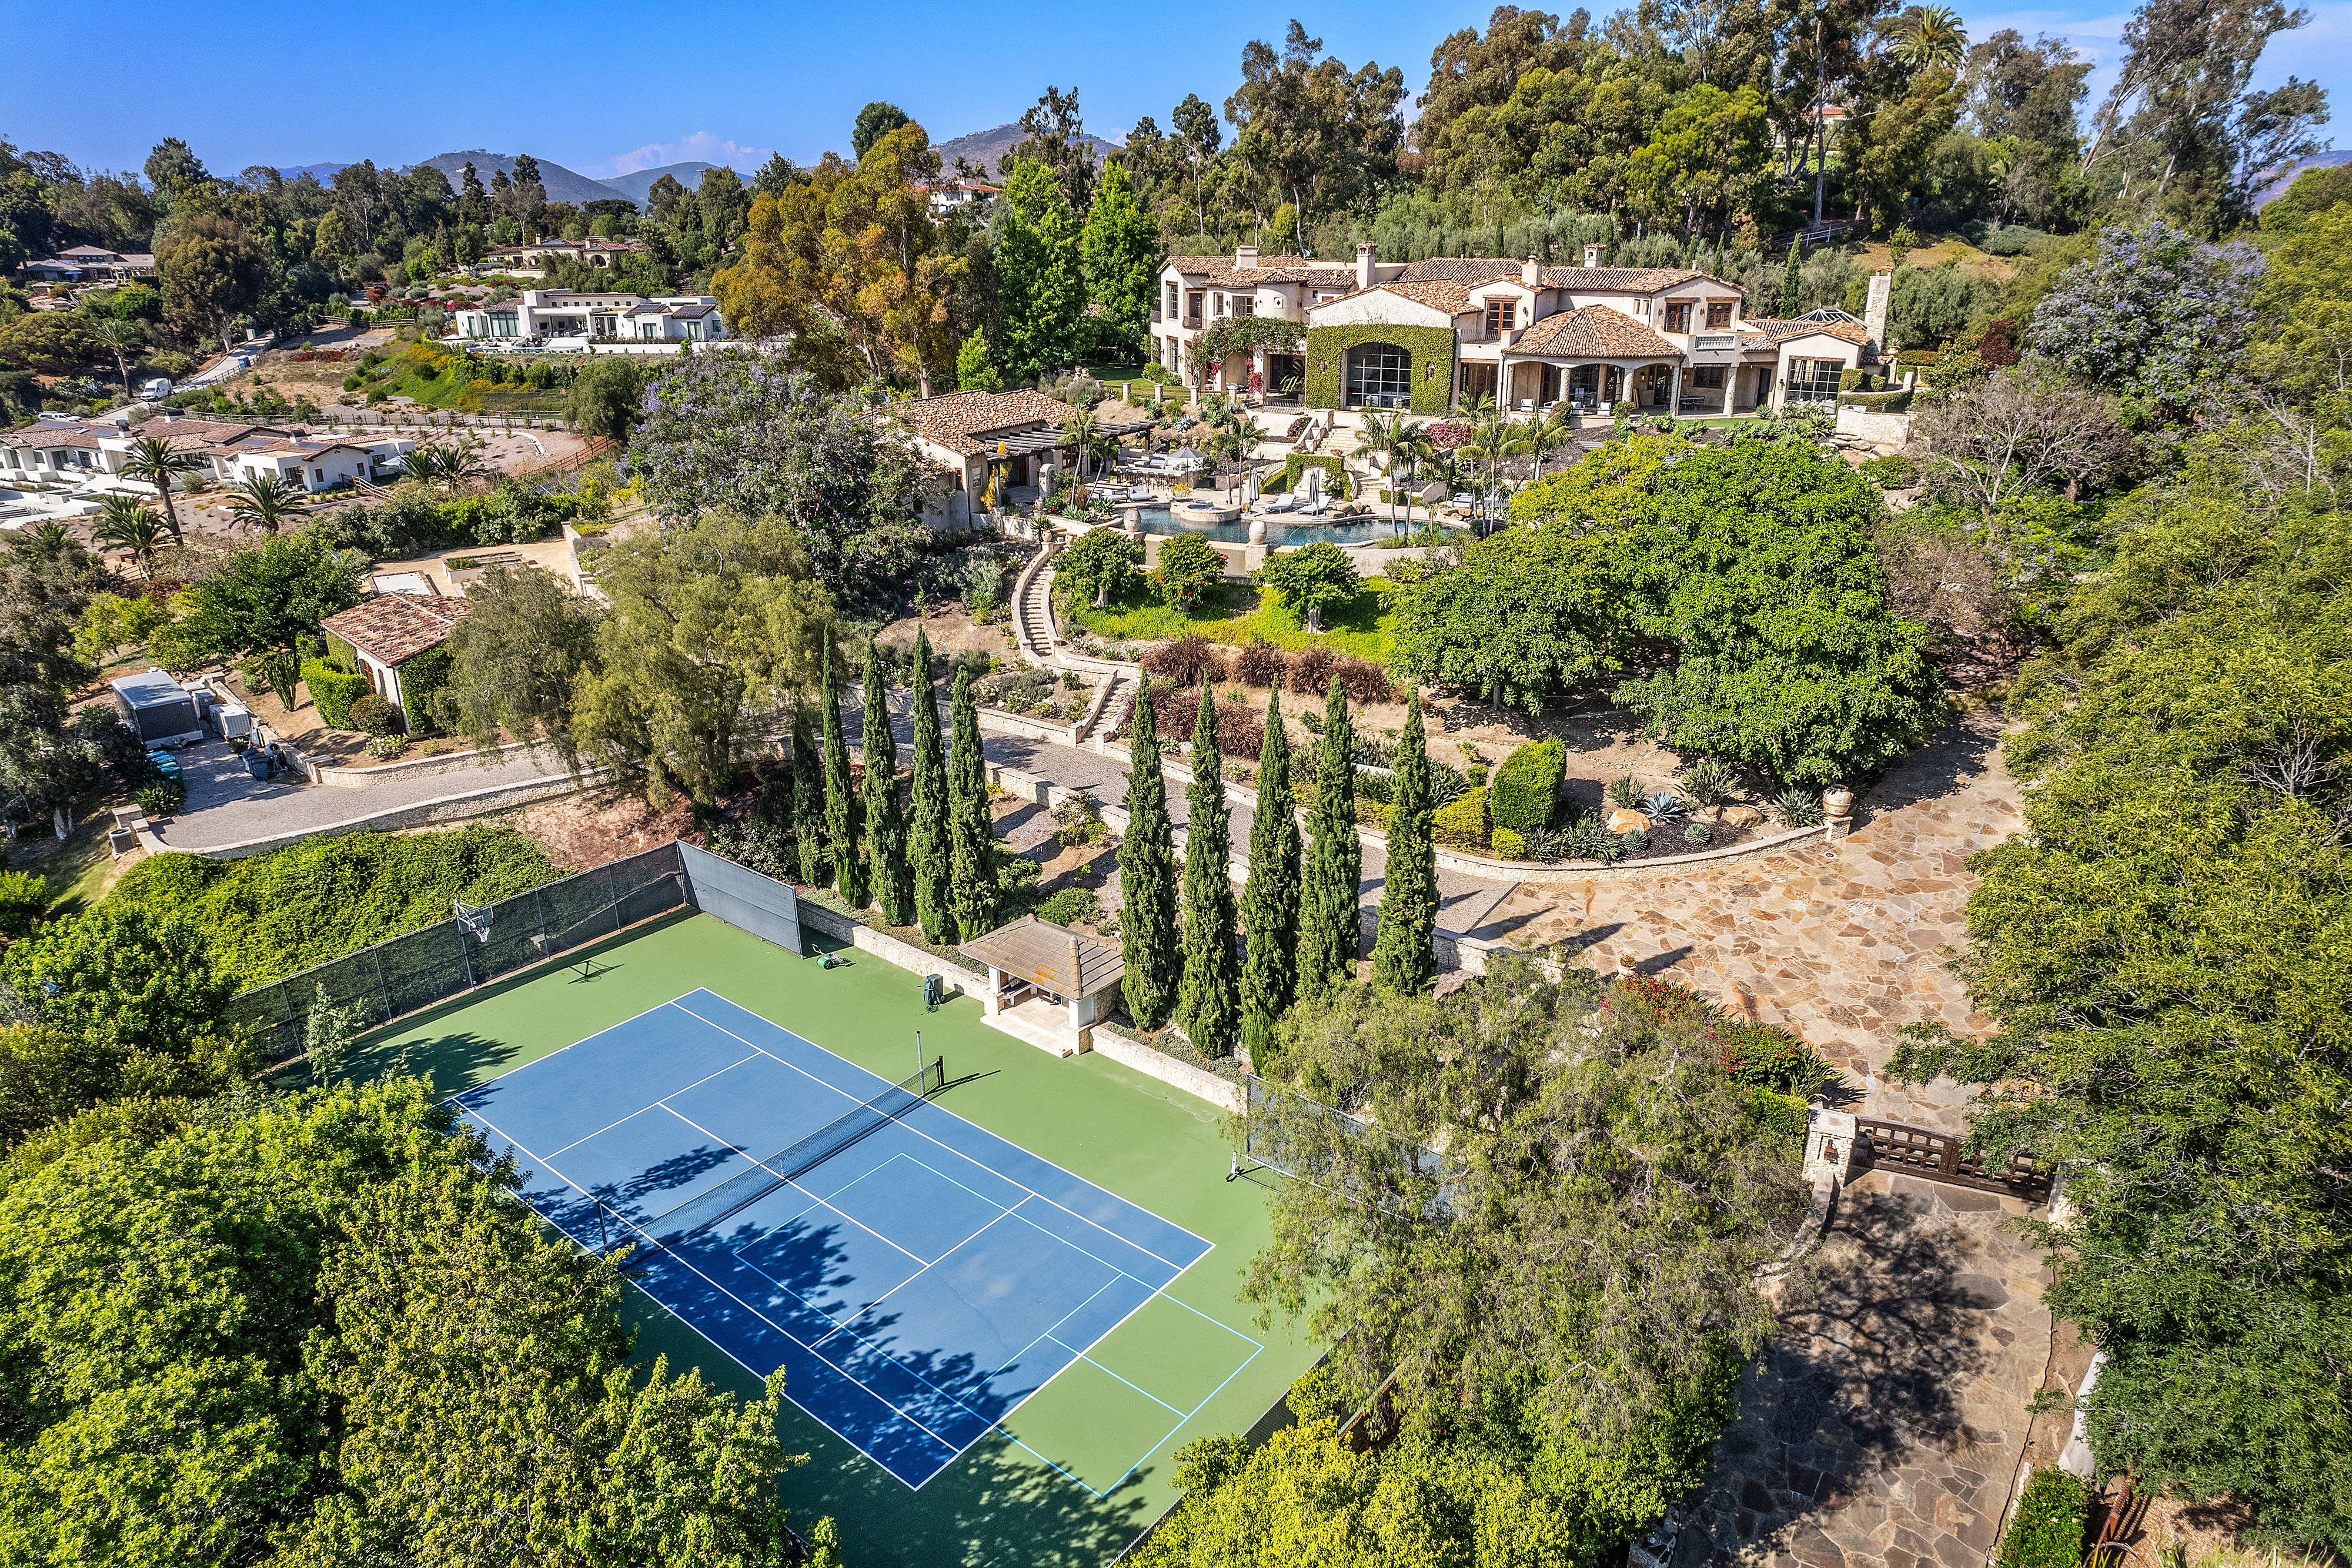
[701, 146]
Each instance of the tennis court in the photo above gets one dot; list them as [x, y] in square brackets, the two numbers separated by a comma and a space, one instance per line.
[917, 1276]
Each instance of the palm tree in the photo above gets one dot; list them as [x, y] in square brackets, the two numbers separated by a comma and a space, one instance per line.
[123, 339]
[263, 502]
[1392, 438]
[1492, 439]
[446, 464]
[156, 461]
[125, 523]
[1545, 435]
[1080, 431]
[1933, 39]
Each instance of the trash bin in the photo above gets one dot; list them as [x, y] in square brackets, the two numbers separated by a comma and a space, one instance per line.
[257, 762]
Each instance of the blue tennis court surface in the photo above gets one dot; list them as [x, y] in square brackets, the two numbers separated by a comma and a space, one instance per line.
[916, 1288]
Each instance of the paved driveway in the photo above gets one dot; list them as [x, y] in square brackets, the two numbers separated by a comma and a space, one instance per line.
[227, 806]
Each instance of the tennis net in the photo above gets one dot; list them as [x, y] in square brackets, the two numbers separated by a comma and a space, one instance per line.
[796, 1159]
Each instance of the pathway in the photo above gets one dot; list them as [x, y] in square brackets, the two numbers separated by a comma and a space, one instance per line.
[1843, 943]
[1887, 1424]
[226, 805]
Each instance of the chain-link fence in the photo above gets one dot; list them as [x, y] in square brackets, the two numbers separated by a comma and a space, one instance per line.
[429, 965]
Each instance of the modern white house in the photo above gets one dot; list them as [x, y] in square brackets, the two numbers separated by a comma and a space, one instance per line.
[593, 251]
[566, 318]
[957, 195]
[90, 452]
[1432, 335]
[91, 263]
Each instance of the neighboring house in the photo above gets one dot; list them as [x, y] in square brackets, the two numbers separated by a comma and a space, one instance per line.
[85, 451]
[561, 313]
[91, 263]
[387, 633]
[962, 434]
[594, 252]
[957, 195]
[1432, 335]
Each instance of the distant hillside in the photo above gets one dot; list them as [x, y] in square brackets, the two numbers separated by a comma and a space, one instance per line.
[322, 172]
[562, 184]
[2274, 182]
[985, 147]
[635, 184]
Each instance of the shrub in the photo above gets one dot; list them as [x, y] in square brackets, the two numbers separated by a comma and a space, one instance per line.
[1710, 782]
[1798, 808]
[1891, 473]
[1463, 823]
[1510, 845]
[1186, 662]
[23, 896]
[1526, 784]
[1258, 664]
[383, 747]
[1070, 906]
[1589, 839]
[162, 798]
[1763, 1057]
[2047, 1530]
[1478, 773]
[1365, 681]
[1625, 794]
[374, 715]
[332, 691]
[1241, 730]
[1310, 671]
[1696, 833]
[1189, 566]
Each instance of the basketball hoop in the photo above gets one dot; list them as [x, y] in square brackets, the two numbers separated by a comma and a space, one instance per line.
[473, 919]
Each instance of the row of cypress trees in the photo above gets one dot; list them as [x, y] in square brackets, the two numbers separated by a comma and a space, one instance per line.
[1299, 911]
[930, 861]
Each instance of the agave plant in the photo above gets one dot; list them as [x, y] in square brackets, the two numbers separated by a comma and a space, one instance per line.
[1665, 806]
[1587, 839]
[1710, 782]
[1541, 844]
[1696, 835]
[1798, 808]
[1633, 841]
[1625, 794]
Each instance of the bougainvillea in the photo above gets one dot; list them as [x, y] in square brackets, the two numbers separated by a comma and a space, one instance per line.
[2151, 314]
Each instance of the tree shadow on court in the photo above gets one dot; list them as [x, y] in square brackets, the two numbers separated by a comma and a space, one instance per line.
[455, 1061]
[667, 1175]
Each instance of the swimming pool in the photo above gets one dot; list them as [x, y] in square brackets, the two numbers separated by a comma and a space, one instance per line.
[1279, 530]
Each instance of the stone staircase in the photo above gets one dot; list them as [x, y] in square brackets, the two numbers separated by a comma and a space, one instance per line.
[1036, 613]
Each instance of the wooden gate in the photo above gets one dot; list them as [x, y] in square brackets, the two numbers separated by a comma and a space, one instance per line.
[1937, 1156]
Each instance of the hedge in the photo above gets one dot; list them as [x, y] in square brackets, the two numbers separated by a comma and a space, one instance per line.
[332, 691]
[1431, 348]
[1526, 784]
[419, 679]
[1877, 402]
[1463, 824]
[1328, 462]
[2047, 1530]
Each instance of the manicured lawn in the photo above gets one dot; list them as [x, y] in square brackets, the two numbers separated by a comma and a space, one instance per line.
[1237, 613]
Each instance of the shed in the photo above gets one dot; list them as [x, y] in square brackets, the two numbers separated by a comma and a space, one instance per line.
[389, 631]
[158, 709]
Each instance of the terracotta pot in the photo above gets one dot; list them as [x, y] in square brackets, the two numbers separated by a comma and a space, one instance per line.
[1837, 801]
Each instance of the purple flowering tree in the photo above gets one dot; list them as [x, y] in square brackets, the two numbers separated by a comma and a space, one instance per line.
[736, 432]
[2151, 314]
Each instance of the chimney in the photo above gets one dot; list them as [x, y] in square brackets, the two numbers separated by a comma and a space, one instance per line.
[1592, 256]
[1874, 315]
[1531, 273]
[1245, 259]
[1366, 255]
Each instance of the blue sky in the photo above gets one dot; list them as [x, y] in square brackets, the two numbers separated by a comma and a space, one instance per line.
[604, 88]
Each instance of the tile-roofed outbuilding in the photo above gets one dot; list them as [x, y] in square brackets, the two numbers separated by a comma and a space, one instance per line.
[1594, 330]
[1774, 331]
[1053, 957]
[394, 628]
[957, 420]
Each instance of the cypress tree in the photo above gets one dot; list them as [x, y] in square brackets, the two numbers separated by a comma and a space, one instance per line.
[1270, 903]
[1790, 290]
[808, 802]
[842, 827]
[972, 842]
[885, 824]
[1209, 1000]
[1329, 930]
[928, 840]
[1401, 957]
[1147, 878]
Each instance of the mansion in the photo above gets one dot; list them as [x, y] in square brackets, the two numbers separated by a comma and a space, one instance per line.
[539, 315]
[1430, 336]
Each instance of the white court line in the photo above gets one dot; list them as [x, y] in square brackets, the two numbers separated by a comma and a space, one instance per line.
[784, 1182]
[662, 1103]
[1206, 1244]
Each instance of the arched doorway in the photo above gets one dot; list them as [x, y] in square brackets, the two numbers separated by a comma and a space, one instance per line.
[1380, 375]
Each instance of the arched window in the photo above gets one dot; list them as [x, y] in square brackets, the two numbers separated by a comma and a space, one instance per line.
[1380, 375]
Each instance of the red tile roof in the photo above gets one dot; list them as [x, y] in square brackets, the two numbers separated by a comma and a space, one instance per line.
[958, 418]
[1778, 332]
[1593, 330]
[1221, 270]
[1474, 270]
[394, 628]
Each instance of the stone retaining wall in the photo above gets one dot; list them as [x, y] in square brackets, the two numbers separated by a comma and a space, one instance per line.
[457, 807]
[416, 768]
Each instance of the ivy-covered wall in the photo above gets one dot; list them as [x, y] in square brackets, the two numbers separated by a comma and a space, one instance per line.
[1294, 463]
[1431, 348]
